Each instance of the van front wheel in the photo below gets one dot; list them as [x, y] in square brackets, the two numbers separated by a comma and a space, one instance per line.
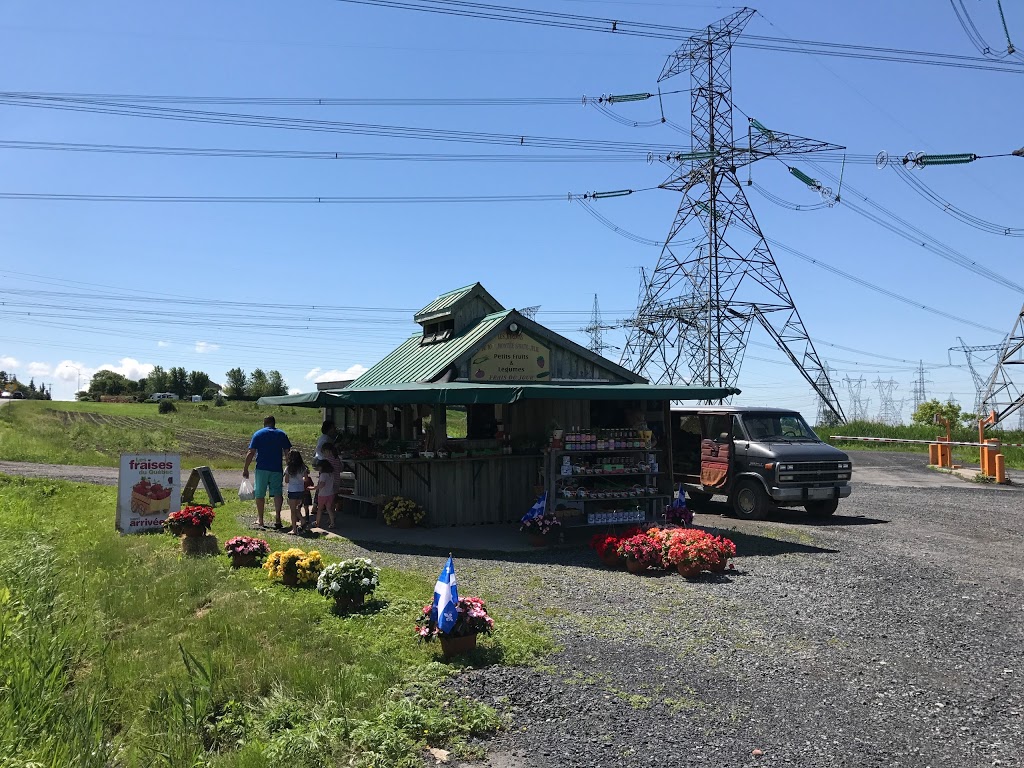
[822, 508]
[749, 501]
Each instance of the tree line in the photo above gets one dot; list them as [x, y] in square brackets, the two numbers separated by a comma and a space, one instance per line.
[185, 384]
[10, 383]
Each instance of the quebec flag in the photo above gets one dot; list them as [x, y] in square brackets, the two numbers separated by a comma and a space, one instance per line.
[446, 597]
[537, 509]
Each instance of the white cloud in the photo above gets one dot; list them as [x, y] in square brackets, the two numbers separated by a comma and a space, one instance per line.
[312, 374]
[39, 369]
[9, 362]
[294, 391]
[205, 346]
[336, 375]
[163, 344]
[129, 367]
[68, 370]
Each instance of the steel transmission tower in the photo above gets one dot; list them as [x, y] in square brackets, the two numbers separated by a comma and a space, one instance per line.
[694, 312]
[888, 413]
[918, 395]
[858, 405]
[826, 418]
[980, 383]
[1002, 394]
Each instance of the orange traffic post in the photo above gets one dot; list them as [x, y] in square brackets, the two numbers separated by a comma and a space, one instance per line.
[933, 454]
[1000, 468]
[991, 452]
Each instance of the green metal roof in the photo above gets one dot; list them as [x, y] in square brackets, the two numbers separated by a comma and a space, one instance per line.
[411, 362]
[447, 301]
[469, 393]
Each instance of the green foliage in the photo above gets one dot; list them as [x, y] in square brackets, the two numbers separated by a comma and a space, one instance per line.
[118, 651]
[235, 383]
[97, 433]
[219, 400]
[924, 432]
[110, 383]
[166, 406]
[928, 410]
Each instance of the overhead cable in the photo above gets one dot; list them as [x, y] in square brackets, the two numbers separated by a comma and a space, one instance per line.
[915, 183]
[666, 32]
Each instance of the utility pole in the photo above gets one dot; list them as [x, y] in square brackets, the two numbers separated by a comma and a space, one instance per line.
[595, 329]
[695, 310]
[858, 407]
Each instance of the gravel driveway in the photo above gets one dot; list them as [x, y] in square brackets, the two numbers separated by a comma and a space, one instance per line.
[888, 636]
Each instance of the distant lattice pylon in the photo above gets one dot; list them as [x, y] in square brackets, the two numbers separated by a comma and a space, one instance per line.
[918, 393]
[530, 312]
[858, 407]
[595, 330]
[888, 411]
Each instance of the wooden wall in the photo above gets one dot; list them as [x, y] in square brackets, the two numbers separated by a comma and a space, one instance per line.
[495, 489]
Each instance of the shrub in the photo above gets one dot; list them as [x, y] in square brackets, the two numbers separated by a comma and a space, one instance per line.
[219, 400]
[166, 406]
[349, 578]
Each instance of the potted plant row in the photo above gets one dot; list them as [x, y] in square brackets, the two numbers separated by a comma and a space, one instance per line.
[690, 551]
[472, 620]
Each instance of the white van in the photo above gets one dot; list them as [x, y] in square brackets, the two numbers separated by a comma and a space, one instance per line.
[158, 396]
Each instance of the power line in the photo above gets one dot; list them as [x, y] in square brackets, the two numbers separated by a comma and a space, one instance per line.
[666, 32]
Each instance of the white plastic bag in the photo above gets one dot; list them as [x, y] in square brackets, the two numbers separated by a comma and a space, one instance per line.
[245, 491]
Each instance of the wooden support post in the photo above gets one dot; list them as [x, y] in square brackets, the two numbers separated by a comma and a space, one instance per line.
[440, 422]
[933, 454]
[992, 452]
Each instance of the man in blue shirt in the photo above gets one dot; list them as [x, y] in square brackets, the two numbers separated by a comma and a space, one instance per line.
[268, 446]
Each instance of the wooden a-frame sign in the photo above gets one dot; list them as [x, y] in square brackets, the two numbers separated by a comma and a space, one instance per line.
[205, 475]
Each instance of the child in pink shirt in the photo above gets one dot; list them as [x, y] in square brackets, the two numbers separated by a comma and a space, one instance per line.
[325, 489]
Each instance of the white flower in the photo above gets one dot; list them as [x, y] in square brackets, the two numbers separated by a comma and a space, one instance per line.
[335, 586]
[366, 582]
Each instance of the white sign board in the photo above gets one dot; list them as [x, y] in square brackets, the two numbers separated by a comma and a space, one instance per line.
[148, 490]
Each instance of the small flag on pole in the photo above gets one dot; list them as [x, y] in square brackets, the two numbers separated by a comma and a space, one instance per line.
[537, 509]
[446, 597]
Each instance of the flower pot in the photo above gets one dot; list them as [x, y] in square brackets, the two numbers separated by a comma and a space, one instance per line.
[290, 579]
[347, 603]
[688, 571]
[193, 531]
[402, 522]
[454, 646]
[720, 566]
[244, 561]
[612, 560]
[635, 566]
[174, 529]
[538, 540]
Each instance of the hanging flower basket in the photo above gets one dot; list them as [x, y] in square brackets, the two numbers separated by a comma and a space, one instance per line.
[244, 561]
[689, 571]
[635, 566]
[456, 646]
[612, 560]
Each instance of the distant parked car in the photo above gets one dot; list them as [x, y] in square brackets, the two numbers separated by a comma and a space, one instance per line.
[18, 395]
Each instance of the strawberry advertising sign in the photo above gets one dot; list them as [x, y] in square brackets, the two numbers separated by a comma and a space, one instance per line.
[148, 489]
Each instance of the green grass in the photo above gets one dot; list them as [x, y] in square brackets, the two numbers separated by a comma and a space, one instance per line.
[97, 433]
[120, 651]
[961, 455]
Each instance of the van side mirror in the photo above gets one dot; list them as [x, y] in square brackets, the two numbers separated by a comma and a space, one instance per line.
[724, 437]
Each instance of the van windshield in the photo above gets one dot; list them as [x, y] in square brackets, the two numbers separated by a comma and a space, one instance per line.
[789, 427]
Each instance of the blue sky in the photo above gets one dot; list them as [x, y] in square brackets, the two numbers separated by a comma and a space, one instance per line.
[129, 285]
